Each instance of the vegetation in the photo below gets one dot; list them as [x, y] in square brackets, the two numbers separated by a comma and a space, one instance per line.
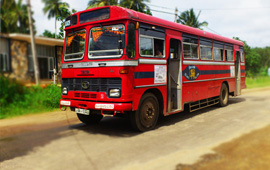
[136, 5]
[189, 18]
[16, 99]
[257, 82]
[257, 60]
[53, 8]
[14, 17]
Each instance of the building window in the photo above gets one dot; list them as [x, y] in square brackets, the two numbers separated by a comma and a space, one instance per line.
[190, 47]
[4, 63]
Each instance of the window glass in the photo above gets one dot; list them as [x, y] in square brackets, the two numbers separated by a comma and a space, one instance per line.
[242, 54]
[51, 64]
[158, 47]
[218, 54]
[4, 62]
[190, 48]
[131, 48]
[151, 41]
[146, 46]
[206, 53]
[75, 43]
[229, 55]
[206, 49]
[175, 49]
[95, 15]
[107, 41]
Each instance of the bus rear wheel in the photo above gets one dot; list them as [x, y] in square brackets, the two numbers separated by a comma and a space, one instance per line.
[146, 116]
[89, 119]
[224, 95]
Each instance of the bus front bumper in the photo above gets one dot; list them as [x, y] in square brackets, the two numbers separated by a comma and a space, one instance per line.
[92, 105]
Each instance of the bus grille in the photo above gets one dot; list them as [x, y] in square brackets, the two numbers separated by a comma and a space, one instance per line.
[95, 84]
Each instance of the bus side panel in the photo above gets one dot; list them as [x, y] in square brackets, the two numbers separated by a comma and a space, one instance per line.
[207, 81]
[144, 80]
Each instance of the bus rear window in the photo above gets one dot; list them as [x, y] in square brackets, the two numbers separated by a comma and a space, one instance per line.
[75, 43]
[95, 15]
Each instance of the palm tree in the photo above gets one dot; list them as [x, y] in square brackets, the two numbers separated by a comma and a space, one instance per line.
[136, 5]
[189, 18]
[98, 3]
[52, 7]
[14, 17]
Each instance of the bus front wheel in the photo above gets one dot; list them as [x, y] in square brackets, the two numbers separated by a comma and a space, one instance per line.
[224, 95]
[146, 116]
[89, 119]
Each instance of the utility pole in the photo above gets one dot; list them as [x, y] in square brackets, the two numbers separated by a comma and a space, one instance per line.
[33, 45]
[175, 14]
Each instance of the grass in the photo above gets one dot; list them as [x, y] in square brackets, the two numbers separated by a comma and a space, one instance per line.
[16, 99]
[257, 82]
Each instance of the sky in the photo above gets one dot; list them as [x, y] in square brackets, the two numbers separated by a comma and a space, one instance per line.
[247, 19]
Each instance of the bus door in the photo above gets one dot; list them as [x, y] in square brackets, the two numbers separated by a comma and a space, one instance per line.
[174, 77]
[237, 74]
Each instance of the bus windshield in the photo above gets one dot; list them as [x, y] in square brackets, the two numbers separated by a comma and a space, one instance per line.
[75, 43]
[107, 41]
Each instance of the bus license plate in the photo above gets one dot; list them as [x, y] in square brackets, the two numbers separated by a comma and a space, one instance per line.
[82, 111]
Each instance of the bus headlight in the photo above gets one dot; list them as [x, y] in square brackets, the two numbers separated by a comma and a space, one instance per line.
[64, 91]
[114, 93]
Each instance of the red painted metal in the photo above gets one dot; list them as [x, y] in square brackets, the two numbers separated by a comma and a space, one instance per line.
[132, 89]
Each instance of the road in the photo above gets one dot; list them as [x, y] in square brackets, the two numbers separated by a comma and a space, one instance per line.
[58, 140]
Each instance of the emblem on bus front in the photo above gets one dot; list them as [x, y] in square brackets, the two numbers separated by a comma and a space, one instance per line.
[85, 85]
[191, 72]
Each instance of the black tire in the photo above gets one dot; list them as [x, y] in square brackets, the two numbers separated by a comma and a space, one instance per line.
[223, 95]
[90, 119]
[145, 118]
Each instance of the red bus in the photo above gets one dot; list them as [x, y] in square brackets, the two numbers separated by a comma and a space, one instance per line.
[117, 61]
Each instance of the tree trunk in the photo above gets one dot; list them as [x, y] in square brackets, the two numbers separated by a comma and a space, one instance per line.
[55, 28]
[33, 45]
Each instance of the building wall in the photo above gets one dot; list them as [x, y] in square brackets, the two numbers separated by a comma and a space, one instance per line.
[19, 62]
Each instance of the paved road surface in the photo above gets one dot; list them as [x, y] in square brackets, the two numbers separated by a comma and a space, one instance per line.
[59, 141]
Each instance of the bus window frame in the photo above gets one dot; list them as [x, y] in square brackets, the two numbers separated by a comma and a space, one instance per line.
[187, 43]
[108, 57]
[229, 49]
[242, 56]
[153, 45]
[76, 59]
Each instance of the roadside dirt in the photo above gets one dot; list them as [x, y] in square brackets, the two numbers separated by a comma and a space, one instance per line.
[250, 151]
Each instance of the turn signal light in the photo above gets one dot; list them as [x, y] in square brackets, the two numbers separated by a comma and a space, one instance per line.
[123, 71]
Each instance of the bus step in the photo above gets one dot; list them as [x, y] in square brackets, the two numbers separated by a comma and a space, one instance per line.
[108, 113]
[203, 104]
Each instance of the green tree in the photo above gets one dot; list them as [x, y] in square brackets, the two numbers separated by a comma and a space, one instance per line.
[53, 8]
[14, 17]
[49, 34]
[65, 12]
[98, 3]
[136, 5]
[252, 59]
[189, 18]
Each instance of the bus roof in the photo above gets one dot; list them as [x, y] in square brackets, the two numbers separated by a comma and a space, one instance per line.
[120, 13]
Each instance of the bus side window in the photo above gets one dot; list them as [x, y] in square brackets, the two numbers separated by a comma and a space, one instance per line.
[242, 54]
[218, 51]
[206, 49]
[229, 52]
[190, 47]
[151, 41]
[131, 45]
